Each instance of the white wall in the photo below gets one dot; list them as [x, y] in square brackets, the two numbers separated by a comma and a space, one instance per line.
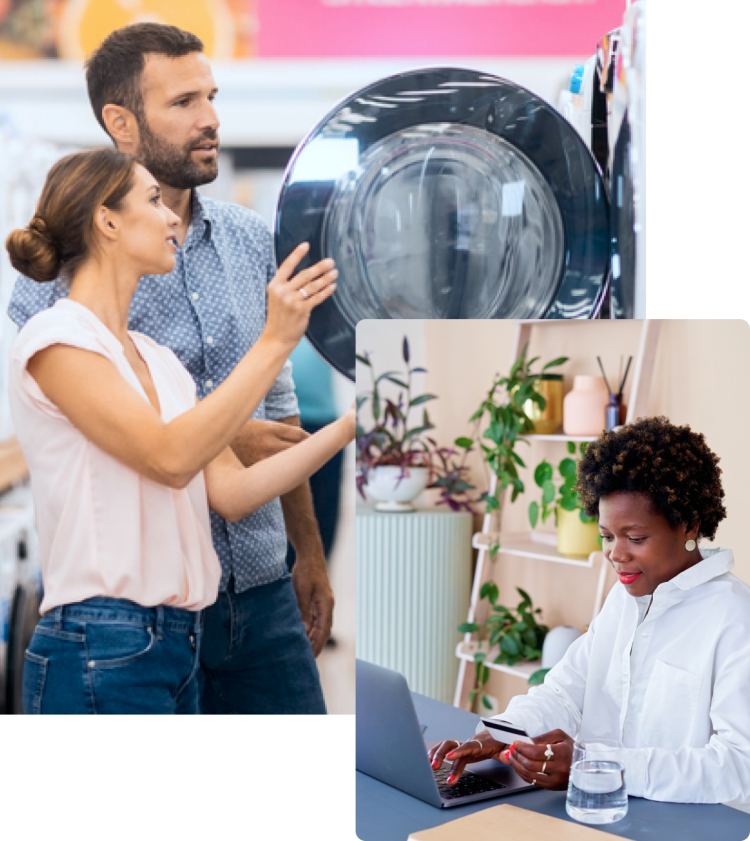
[261, 103]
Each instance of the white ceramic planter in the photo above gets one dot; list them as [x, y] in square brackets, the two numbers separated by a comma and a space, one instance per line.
[392, 493]
[556, 643]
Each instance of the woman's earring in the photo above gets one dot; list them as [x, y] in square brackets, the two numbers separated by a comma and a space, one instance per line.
[690, 545]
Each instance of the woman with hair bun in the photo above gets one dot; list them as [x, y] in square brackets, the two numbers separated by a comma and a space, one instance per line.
[664, 669]
[124, 461]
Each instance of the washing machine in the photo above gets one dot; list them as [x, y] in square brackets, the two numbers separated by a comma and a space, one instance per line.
[628, 168]
[20, 591]
[446, 193]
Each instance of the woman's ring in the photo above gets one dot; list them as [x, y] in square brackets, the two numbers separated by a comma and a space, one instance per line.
[543, 767]
[533, 782]
[548, 753]
[304, 294]
[481, 746]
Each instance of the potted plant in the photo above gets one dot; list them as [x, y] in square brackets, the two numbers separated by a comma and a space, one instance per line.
[577, 534]
[396, 460]
[451, 475]
[507, 635]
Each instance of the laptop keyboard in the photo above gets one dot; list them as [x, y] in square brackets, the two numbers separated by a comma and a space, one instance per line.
[467, 784]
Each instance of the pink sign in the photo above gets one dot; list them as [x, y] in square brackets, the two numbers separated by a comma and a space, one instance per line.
[372, 28]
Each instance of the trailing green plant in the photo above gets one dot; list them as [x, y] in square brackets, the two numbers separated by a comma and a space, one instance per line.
[503, 411]
[515, 631]
[554, 496]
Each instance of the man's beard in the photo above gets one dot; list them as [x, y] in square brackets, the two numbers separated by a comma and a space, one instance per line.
[173, 165]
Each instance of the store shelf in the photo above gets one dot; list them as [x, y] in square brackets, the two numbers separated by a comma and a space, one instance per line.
[533, 436]
[537, 545]
[467, 650]
[12, 464]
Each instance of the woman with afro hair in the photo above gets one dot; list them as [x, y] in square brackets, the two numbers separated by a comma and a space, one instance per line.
[664, 668]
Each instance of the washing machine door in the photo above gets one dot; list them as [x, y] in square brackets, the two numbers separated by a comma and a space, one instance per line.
[627, 176]
[445, 193]
[623, 225]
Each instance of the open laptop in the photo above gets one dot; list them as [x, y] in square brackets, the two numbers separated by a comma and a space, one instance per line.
[391, 749]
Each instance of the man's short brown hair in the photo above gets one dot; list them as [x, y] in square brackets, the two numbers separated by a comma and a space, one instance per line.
[114, 70]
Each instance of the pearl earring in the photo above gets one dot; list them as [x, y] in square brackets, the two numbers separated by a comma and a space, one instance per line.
[690, 545]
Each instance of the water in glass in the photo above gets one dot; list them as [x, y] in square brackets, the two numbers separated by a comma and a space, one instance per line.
[596, 790]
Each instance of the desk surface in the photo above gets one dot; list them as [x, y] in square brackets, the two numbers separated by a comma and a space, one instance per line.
[386, 814]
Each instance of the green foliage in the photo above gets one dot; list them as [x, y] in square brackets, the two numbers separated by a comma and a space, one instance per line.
[537, 677]
[516, 632]
[554, 496]
[503, 414]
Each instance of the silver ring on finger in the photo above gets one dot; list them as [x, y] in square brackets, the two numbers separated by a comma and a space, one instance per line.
[549, 753]
[543, 767]
[533, 782]
[304, 294]
[481, 746]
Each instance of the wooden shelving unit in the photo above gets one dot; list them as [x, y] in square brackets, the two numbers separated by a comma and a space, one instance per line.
[538, 545]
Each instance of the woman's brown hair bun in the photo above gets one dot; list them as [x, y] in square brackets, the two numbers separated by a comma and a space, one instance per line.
[60, 237]
[33, 252]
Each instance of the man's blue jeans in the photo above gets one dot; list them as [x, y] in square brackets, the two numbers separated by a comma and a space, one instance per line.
[255, 655]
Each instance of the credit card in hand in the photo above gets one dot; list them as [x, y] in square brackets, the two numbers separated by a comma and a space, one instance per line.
[504, 731]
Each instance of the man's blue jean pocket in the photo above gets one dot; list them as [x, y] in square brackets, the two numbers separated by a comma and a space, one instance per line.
[113, 656]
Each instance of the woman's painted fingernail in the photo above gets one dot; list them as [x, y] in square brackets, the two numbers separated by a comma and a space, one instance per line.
[451, 778]
[435, 763]
[507, 754]
[450, 753]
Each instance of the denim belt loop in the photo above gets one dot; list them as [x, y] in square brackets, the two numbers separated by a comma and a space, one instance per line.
[159, 621]
[57, 614]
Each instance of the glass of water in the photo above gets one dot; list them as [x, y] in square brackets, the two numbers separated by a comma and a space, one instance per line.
[596, 789]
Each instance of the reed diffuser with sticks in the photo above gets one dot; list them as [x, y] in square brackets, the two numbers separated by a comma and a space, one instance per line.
[615, 410]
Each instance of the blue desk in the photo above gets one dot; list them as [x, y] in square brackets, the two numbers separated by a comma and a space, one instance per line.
[385, 814]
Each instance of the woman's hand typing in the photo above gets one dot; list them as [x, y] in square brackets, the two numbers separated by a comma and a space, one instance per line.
[482, 746]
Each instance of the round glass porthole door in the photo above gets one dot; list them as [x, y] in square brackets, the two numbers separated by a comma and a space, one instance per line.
[446, 193]
[460, 213]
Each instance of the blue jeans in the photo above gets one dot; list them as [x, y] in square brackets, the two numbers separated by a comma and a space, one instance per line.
[255, 655]
[106, 655]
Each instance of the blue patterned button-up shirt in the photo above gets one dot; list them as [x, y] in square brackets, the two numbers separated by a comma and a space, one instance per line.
[210, 310]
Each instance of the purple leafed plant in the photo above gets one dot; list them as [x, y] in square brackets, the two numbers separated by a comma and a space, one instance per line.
[396, 439]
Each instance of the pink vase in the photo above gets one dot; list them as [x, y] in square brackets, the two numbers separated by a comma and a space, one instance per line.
[584, 406]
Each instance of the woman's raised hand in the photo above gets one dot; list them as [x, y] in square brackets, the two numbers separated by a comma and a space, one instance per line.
[482, 746]
[291, 298]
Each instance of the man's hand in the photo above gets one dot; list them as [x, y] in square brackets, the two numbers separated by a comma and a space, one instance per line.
[309, 573]
[314, 597]
[259, 439]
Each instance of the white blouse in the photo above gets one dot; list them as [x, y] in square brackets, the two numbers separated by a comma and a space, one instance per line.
[105, 530]
[673, 688]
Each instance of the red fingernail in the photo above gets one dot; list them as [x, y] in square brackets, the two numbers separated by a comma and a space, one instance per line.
[450, 753]
[507, 754]
[451, 778]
